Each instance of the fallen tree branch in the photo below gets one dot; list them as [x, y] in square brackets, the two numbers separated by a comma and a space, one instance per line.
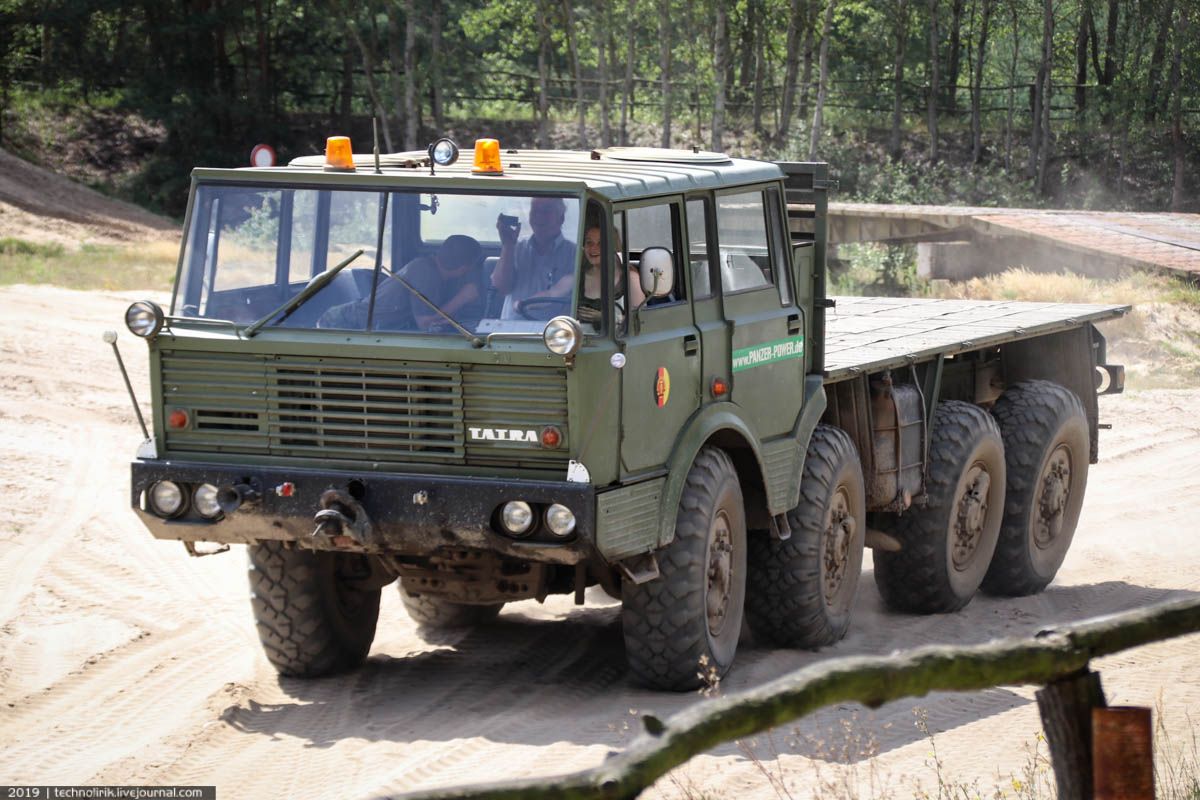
[870, 680]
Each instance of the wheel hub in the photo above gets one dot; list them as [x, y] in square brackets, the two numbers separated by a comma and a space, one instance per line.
[971, 516]
[1054, 491]
[720, 573]
[839, 533]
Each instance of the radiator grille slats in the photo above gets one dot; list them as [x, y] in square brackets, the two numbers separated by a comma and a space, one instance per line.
[357, 410]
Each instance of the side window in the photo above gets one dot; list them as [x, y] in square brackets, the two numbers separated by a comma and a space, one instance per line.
[742, 233]
[304, 235]
[779, 244]
[698, 252]
[246, 229]
[654, 226]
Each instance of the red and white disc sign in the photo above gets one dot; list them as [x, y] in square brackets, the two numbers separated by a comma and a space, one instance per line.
[263, 155]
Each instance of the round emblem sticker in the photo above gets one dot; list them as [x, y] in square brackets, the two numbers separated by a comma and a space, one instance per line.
[662, 387]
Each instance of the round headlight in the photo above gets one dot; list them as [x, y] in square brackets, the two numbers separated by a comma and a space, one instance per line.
[166, 498]
[563, 336]
[517, 517]
[560, 520]
[144, 319]
[444, 152]
[204, 499]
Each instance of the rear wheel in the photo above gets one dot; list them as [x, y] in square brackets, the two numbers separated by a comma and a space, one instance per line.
[436, 613]
[804, 587]
[947, 544]
[312, 618]
[1046, 450]
[686, 623]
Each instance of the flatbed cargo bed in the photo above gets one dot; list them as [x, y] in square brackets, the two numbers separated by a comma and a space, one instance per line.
[869, 334]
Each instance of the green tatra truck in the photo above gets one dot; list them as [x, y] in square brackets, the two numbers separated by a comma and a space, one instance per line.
[538, 372]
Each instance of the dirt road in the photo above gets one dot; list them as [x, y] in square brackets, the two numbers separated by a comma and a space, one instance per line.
[122, 660]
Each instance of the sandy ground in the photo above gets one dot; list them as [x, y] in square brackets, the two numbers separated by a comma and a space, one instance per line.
[39, 206]
[122, 660]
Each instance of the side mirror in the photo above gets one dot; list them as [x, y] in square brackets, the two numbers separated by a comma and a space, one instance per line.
[657, 269]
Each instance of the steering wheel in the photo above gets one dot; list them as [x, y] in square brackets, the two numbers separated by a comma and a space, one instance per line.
[559, 305]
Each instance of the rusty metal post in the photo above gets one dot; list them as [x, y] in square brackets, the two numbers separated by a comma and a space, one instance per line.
[1066, 708]
[1123, 750]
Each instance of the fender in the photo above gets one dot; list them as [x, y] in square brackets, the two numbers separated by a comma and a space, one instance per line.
[718, 417]
[811, 412]
[700, 428]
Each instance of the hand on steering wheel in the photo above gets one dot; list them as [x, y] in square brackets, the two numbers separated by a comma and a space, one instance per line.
[558, 305]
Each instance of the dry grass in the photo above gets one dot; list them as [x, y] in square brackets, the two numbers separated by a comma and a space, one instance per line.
[1158, 341]
[146, 266]
[1133, 288]
[848, 765]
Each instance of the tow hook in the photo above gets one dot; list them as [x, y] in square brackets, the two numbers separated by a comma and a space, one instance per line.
[341, 515]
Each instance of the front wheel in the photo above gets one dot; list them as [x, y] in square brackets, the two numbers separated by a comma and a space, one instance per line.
[947, 544]
[804, 587]
[682, 628]
[1046, 450]
[312, 617]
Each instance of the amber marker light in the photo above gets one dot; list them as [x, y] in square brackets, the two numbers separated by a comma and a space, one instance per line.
[487, 157]
[719, 387]
[338, 156]
[551, 437]
[177, 419]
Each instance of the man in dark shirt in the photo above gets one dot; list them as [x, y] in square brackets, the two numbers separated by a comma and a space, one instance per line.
[452, 279]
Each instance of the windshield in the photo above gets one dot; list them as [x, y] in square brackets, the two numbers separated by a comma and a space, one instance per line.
[488, 262]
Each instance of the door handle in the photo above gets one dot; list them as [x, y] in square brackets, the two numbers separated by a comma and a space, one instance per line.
[794, 323]
[691, 345]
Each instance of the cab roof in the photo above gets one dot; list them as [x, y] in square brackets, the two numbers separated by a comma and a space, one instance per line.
[618, 173]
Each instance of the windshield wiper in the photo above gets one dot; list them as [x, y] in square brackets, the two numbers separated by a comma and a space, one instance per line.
[472, 338]
[315, 285]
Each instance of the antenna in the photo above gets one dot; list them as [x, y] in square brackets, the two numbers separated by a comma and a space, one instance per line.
[375, 134]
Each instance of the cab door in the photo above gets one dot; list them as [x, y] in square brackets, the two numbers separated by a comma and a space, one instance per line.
[660, 382]
[767, 327]
[706, 295]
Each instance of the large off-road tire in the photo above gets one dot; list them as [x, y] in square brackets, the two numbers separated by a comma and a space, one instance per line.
[436, 613]
[947, 544]
[1046, 452]
[311, 618]
[802, 589]
[687, 621]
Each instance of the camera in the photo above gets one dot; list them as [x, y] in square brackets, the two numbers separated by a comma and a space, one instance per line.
[509, 221]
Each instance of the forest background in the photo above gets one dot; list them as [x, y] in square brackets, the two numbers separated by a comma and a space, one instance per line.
[1070, 103]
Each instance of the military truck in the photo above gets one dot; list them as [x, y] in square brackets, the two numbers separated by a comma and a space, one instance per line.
[526, 373]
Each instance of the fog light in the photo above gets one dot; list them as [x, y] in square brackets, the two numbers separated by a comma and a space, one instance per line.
[444, 152]
[560, 520]
[166, 498]
[205, 501]
[517, 517]
[144, 319]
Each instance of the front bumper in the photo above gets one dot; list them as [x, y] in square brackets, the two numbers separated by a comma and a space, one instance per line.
[413, 515]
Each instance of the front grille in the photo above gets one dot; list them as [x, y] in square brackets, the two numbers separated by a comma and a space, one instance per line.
[390, 412]
[377, 412]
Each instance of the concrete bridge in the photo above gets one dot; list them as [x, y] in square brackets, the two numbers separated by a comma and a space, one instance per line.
[961, 242]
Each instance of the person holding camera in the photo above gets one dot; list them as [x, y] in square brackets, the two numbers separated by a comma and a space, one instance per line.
[539, 266]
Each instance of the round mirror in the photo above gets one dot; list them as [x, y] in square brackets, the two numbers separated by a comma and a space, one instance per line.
[657, 269]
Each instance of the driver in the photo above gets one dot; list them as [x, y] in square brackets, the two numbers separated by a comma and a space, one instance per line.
[451, 278]
[542, 265]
